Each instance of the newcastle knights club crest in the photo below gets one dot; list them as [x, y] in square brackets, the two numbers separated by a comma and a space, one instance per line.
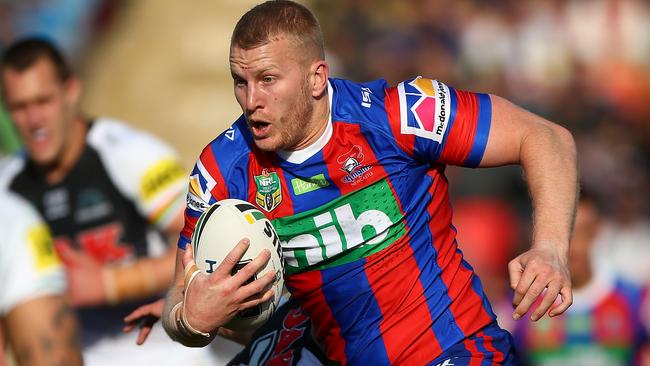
[269, 194]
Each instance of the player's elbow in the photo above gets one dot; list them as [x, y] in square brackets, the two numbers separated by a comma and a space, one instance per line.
[563, 141]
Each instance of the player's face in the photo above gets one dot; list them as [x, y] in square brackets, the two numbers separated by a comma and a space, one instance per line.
[272, 88]
[42, 108]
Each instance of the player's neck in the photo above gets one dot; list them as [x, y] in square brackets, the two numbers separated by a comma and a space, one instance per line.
[72, 150]
[318, 124]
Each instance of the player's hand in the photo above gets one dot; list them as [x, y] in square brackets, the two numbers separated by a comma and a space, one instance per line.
[541, 271]
[145, 317]
[85, 278]
[211, 300]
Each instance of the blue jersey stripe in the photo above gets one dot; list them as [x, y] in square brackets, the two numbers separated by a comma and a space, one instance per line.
[355, 308]
[482, 131]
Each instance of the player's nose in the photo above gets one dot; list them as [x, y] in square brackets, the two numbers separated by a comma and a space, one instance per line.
[254, 99]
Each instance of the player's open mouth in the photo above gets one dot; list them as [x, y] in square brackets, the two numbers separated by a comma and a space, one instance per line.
[260, 129]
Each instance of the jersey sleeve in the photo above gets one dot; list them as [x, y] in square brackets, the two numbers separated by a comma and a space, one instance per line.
[436, 123]
[207, 185]
[145, 169]
[29, 266]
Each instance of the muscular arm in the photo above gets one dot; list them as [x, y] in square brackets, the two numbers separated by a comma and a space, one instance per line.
[547, 155]
[43, 331]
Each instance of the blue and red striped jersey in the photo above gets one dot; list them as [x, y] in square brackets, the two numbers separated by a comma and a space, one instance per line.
[365, 220]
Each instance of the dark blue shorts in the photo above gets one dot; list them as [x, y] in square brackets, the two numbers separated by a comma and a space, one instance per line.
[489, 346]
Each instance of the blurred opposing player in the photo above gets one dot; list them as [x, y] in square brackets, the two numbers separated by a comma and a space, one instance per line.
[111, 195]
[605, 325]
[38, 322]
[352, 177]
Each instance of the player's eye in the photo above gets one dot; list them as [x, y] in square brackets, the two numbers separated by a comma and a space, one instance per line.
[268, 79]
[238, 81]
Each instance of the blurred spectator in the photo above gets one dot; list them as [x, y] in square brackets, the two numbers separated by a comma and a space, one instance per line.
[112, 196]
[605, 324]
[36, 318]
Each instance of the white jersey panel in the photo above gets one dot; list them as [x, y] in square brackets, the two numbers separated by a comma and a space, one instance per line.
[29, 267]
[146, 170]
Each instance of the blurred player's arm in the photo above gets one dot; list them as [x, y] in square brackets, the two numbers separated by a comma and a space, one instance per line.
[547, 154]
[43, 331]
[91, 283]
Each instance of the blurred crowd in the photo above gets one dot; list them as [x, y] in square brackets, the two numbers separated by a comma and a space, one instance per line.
[584, 64]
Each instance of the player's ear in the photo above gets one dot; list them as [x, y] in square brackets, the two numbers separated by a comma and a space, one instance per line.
[319, 73]
[73, 90]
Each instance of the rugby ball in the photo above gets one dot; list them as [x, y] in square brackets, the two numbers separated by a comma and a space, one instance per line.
[218, 230]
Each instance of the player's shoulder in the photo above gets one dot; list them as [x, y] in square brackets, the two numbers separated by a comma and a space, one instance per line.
[351, 99]
[230, 146]
[361, 104]
[113, 134]
[14, 209]
[10, 167]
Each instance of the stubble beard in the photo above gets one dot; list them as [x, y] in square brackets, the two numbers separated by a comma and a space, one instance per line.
[296, 124]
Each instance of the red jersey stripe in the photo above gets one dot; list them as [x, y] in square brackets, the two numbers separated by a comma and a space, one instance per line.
[467, 305]
[476, 355]
[463, 129]
[324, 322]
[220, 190]
[391, 103]
[349, 143]
[498, 356]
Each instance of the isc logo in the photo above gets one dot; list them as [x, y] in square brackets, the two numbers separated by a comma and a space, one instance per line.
[366, 101]
[338, 230]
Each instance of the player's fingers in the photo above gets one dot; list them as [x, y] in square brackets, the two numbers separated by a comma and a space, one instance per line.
[523, 284]
[68, 255]
[251, 268]
[567, 299]
[145, 330]
[515, 270]
[552, 291]
[188, 256]
[233, 257]
[531, 294]
[256, 300]
[257, 287]
[137, 314]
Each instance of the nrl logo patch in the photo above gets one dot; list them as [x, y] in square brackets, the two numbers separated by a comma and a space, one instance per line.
[269, 193]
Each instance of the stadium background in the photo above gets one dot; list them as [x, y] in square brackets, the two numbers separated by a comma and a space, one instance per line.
[163, 66]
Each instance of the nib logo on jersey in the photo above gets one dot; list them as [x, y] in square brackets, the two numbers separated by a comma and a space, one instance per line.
[351, 227]
[269, 192]
[351, 163]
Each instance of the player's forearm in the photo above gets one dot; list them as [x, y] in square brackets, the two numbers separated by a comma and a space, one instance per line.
[172, 311]
[548, 157]
[143, 278]
[43, 331]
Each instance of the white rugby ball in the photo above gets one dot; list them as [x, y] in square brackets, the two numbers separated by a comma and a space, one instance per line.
[218, 230]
